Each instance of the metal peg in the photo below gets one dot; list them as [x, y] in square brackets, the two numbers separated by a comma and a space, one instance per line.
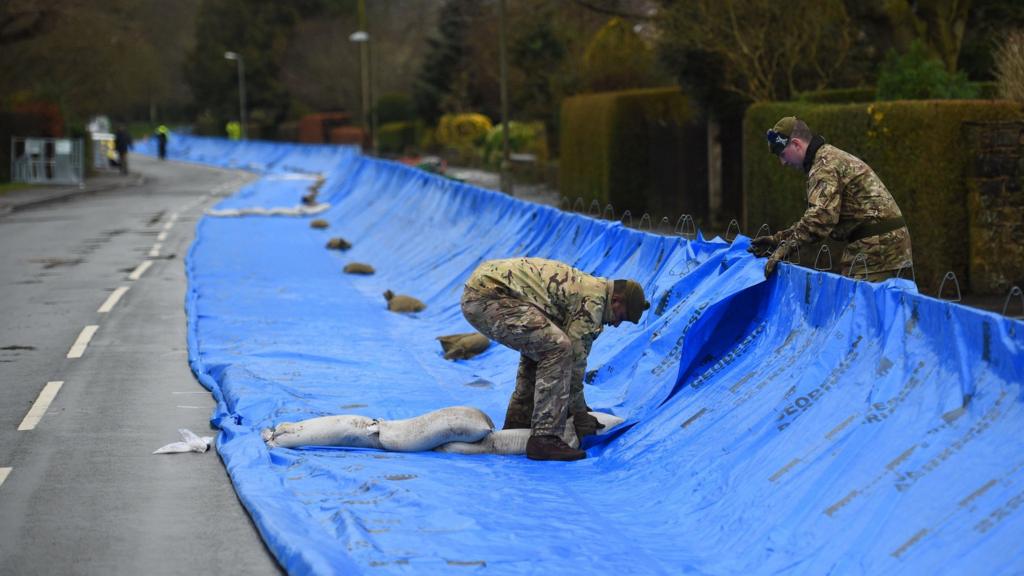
[732, 223]
[1015, 291]
[949, 276]
[827, 252]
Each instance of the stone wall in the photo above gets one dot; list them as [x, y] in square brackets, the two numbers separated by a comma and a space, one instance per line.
[995, 205]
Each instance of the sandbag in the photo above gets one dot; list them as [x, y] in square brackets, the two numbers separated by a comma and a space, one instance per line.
[358, 268]
[343, 430]
[338, 244]
[512, 442]
[319, 224]
[402, 303]
[453, 424]
[463, 346]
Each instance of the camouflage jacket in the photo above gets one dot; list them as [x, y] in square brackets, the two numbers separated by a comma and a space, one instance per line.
[574, 301]
[843, 192]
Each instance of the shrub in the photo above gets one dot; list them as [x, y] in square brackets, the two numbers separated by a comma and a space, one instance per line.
[618, 58]
[396, 137]
[462, 131]
[636, 149]
[1010, 67]
[913, 146]
[523, 137]
[916, 75]
[395, 108]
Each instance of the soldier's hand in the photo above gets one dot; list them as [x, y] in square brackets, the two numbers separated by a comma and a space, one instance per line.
[762, 245]
[585, 424]
[777, 256]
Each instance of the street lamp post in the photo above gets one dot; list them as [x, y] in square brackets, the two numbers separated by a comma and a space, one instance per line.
[241, 88]
[506, 179]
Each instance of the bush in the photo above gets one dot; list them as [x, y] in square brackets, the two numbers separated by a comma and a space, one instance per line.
[395, 108]
[636, 149]
[916, 75]
[617, 58]
[1010, 67]
[462, 131]
[396, 137]
[523, 137]
[913, 146]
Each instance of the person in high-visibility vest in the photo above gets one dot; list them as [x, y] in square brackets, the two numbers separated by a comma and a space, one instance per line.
[161, 141]
[234, 130]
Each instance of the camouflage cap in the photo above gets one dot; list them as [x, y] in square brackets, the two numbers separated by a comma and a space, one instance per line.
[779, 135]
[633, 296]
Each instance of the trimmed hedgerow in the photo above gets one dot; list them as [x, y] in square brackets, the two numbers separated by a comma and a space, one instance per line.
[631, 149]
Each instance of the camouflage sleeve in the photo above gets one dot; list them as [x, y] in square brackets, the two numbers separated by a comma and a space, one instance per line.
[584, 327]
[580, 351]
[822, 213]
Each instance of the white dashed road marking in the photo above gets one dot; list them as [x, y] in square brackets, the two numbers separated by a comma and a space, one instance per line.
[140, 270]
[4, 472]
[42, 404]
[112, 300]
[155, 250]
[78, 348]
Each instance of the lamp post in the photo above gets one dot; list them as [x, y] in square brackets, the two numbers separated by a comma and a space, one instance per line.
[361, 38]
[506, 179]
[241, 88]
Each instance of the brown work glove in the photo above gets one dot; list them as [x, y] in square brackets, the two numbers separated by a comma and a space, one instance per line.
[585, 424]
[762, 245]
[777, 256]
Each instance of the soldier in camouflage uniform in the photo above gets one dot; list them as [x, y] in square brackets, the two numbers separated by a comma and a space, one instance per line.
[846, 201]
[550, 313]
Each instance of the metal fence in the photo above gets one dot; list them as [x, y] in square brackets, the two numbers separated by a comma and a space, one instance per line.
[46, 160]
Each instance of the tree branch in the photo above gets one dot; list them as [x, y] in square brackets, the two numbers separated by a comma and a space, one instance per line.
[593, 7]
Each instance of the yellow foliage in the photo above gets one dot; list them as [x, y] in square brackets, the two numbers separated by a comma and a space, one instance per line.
[462, 131]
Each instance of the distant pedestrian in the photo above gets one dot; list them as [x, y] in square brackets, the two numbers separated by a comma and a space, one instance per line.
[122, 143]
[846, 201]
[234, 130]
[161, 141]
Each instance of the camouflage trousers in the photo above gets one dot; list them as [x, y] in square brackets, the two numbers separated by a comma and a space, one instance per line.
[541, 398]
[884, 256]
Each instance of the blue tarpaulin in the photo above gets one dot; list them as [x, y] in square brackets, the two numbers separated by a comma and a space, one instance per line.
[807, 424]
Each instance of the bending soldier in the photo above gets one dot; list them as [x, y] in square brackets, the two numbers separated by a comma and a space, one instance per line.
[550, 313]
[846, 201]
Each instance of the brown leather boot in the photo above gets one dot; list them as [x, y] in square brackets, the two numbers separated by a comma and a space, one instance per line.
[551, 448]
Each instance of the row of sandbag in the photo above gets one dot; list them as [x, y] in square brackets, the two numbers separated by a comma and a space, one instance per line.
[455, 346]
[456, 429]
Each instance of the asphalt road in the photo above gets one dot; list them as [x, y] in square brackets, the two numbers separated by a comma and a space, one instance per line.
[80, 491]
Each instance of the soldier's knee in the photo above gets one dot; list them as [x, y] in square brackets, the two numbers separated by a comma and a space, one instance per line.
[560, 344]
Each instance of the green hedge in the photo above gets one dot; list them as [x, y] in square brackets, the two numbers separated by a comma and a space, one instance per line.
[629, 148]
[915, 146]
[396, 137]
[986, 91]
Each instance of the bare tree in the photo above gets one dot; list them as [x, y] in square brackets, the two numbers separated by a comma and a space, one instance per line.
[768, 50]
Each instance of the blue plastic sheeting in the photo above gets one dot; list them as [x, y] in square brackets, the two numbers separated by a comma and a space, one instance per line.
[807, 424]
[253, 155]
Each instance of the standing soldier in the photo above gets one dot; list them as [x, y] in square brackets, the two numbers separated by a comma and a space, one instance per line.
[846, 201]
[550, 313]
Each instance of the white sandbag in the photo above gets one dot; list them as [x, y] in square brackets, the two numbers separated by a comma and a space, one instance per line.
[344, 430]
[497, 442]
[511, 442]
[609, 420]
[453, 424]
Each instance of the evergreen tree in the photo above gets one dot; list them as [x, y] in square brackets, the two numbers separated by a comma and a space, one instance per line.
[444, 66]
